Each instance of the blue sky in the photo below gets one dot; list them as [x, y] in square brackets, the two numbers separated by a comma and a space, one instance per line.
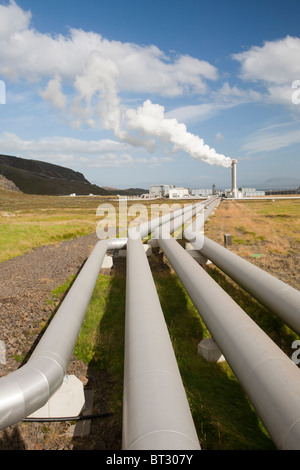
[133, 93]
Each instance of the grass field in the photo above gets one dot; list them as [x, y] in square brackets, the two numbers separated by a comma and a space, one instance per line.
[223, 416]
[28, 221]
[264, 232]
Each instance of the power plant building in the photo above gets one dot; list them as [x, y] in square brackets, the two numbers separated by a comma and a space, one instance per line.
[201, 192]
[160, 190]
[179, 193]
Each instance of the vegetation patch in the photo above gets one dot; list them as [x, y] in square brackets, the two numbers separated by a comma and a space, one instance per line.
[223, 416]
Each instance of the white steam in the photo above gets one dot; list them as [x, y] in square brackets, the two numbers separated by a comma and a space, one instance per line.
[149, 121]
[98, 71]
[97, 99]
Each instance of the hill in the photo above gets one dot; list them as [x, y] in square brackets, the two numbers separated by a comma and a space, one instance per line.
[282, 183]
[37, 177]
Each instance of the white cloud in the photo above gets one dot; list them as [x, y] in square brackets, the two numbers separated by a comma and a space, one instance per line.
[275, 62]
[224, 98]
[28, 54]
[197, 112]
[233, 96]
[219, 137]
[79, 153]
[276, 65]
[54, 94]
[13, 19]
[63, 150]
[272, 138]
[95, 71]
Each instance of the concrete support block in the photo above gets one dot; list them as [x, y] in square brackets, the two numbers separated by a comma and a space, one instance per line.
[148, 249]
[107, 262]
[196, 254]
[82, 428]
[153, 243]
[209, 350]
[67, 402]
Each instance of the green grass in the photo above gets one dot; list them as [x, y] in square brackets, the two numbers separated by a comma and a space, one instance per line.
[29, 221]
[17, 239]
[223, 416]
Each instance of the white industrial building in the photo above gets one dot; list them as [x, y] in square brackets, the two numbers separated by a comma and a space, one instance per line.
[248, 192]
[179, 193]
[244, 192]
[160, 190]
[205, 192]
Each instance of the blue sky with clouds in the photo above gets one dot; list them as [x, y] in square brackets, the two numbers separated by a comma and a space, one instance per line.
[133, 93]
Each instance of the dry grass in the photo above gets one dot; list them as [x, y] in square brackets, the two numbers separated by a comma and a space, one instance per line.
[29, 221]
[265, 233]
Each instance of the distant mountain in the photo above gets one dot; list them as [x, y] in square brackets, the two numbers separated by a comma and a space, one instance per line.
[36, 177]
[131, 191]
[280, 183]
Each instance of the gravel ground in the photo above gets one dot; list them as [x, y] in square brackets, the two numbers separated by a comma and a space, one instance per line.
[26, 283]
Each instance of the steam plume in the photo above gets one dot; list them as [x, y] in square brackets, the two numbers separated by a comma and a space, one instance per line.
[97, 98]
[149, 121]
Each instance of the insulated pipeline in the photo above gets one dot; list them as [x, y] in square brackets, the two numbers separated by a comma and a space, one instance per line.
[270, 379]
[27, 389]
[156, 414]
[282, 299]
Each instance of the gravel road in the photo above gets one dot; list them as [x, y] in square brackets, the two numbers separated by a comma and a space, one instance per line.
[26, 283]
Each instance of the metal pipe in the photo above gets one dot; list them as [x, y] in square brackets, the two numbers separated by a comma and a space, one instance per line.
[29, 388]
[156, 414]
[165, 229]
[282, 299]
[147, 228]
[270, 379]
[168, 225]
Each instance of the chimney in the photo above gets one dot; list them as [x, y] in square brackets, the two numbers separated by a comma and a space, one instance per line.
[234, 188]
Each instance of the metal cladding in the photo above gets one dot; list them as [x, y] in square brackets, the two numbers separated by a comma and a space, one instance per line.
[156, 413]
[234, 187]
[29, 388]
[282, 299]
[270, 379]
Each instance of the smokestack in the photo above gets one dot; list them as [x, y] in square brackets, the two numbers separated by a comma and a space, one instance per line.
[234, 188]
